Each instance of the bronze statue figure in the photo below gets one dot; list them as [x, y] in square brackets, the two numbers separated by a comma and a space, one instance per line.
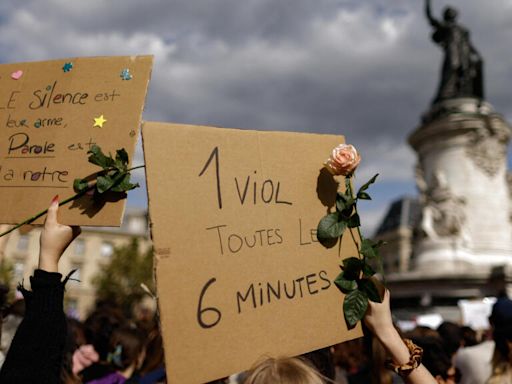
[461, 74]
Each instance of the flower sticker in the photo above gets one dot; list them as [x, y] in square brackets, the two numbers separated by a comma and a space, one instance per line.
[126, 75]
[16, 75]
[67, 67]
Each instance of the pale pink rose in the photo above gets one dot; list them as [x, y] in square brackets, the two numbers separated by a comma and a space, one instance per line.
[343, 161]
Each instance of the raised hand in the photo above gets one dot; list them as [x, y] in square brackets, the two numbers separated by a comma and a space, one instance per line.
[55, 238]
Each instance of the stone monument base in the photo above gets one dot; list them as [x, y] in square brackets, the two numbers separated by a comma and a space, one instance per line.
[445, 287]
[451, 254]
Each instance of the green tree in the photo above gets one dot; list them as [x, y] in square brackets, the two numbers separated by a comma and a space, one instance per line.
[6, 272]
[120, 281]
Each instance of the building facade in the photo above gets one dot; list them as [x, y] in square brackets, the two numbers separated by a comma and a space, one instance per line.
[88, 254]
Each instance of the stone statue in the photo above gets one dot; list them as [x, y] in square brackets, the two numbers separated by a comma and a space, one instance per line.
[487, 146]
[443, 213]
[461, 73]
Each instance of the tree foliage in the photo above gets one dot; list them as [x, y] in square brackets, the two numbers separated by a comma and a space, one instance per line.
[120, 281]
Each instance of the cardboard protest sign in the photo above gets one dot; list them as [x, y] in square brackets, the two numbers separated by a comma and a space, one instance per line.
[240, 274]
[51, 113]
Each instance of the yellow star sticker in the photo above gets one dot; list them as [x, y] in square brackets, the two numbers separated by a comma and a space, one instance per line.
[99, 121]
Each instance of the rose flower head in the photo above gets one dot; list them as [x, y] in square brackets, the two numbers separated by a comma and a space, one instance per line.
[343, 161]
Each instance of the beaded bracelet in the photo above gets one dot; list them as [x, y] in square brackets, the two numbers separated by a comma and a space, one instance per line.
[404, 370]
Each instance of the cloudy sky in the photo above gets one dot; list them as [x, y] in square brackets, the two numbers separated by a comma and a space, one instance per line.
[362, 68]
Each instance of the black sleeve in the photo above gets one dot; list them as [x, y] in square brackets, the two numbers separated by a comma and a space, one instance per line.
[36, 352]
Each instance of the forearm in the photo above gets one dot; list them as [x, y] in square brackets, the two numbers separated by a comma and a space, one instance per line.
[401, 355]
[48, 264]
[35, 355]
[40, 339]
[428, 13]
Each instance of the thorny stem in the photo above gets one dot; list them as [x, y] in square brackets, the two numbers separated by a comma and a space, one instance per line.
[63, 202]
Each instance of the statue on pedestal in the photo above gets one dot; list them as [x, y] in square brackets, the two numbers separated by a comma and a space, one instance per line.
[461, 74]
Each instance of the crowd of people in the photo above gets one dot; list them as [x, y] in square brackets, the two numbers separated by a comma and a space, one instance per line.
[111, 348]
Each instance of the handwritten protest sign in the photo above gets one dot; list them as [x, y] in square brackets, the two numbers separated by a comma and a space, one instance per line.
[51, 113]
[240, 273]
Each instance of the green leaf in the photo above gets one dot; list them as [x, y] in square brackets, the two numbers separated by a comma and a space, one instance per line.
[352, 268]
[345, 205]
[124, 185]
[368, 271]
[345, 285]
[104, 183]
[330, 227]
[363, 196]
[122, 156]
[367, 249]
[354, 221]
[97, 157]
[364, 187]
[354, 307]
[368, 287]
[80, 185]
[341, 201]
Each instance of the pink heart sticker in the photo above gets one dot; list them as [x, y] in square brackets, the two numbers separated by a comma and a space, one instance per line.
[16, 75]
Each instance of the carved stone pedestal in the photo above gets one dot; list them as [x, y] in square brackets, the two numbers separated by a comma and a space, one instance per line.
[464, 239]
[462, 178]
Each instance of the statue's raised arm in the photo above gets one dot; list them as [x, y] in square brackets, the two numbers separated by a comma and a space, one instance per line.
[434, 22]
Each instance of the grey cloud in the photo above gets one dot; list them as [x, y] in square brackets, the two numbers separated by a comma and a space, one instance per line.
[366, 69]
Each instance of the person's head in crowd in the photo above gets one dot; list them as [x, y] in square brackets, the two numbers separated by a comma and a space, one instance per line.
[16, 308]
[501, 315]
[284, 370]
[77, 332]
[350, 356]
[379, 374]
[322, 360]
[503, 339]
[126, 350]
[4, 290]
[74, 338]
[98, 328]
[144, 310]
[451, 337]
[13, 315]
[437, 360]
[469, 336]
[154, 351]
[422, 331]
[501, 320]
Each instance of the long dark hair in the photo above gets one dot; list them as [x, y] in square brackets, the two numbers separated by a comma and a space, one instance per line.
[126, 345]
